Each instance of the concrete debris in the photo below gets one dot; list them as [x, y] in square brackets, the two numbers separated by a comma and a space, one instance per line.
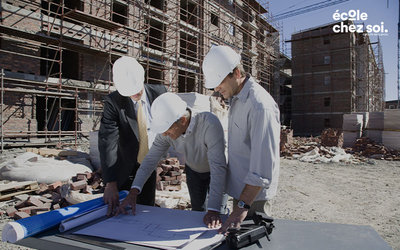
[325, 155]
[311, 149]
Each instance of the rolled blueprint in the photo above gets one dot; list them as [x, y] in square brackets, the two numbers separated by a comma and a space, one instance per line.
[20, 229]
[82, 219]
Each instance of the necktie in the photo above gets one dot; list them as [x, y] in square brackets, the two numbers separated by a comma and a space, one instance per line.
[143, 139]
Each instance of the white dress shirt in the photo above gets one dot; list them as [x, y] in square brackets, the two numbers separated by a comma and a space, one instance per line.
[253, 141]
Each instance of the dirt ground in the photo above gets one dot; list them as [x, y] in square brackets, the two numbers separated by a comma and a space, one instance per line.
[361, 194]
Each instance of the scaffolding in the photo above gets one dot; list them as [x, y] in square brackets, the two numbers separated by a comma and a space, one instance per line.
[57, 56]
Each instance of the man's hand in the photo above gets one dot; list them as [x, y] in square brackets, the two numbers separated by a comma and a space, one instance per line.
[234, 220]
[111, 197]
[212, 219]
[130, 200]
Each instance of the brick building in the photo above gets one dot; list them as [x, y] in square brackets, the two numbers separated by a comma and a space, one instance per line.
[333, 74]
[57, 55]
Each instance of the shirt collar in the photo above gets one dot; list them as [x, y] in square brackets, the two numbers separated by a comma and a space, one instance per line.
[192, 123]
[143, 98]
[244, 92]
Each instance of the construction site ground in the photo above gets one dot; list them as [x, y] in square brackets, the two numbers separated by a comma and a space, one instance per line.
[364, 193]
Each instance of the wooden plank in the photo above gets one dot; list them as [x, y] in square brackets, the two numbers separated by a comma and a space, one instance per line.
[12, 189]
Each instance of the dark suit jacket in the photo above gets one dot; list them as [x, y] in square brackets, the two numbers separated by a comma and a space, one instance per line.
[119, 134]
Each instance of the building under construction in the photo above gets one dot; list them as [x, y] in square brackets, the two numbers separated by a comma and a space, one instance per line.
[334, 74]
[56, 55]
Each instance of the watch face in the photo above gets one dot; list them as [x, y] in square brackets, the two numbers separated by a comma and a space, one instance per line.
[241, 204]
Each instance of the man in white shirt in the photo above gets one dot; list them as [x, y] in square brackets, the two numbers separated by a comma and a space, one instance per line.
[253, 135]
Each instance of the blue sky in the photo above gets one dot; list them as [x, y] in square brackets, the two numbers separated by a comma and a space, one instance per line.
[377, 10]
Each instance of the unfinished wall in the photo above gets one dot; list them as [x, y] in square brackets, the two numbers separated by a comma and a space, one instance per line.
[66, 51]
[328, 78]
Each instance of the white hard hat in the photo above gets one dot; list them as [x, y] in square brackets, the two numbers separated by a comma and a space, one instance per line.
[128, 76]
[165, 110]
[218, 63]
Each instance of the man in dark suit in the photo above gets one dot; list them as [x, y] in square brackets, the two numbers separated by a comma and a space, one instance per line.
[124, 138]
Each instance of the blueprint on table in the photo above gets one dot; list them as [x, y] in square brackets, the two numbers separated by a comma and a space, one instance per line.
[151, 226]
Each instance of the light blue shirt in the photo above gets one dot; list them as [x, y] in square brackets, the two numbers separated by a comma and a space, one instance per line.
[146, 105]
[253, 141]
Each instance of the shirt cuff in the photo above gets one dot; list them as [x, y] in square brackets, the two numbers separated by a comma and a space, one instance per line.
[212, 209]
[138, 188]
[256, 180]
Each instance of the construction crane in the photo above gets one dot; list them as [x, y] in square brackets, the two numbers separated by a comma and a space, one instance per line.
[307, 8]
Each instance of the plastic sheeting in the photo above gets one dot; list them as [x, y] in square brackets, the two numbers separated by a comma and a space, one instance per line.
[32, 167]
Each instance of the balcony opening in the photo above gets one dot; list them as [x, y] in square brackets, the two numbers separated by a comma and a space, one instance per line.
[53, 118]
[119, 13]
[186, 81]
[156, 35]
[189, 12]
[188, 47]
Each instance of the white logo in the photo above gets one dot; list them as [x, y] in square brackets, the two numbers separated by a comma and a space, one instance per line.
[356, 15]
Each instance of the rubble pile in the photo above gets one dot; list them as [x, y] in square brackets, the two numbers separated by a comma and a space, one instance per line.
[312, 149]
[298, 145]
[50, 197]
[172, 191]
[368, 148]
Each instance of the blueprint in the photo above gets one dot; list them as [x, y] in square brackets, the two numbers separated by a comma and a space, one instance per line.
[152, 226]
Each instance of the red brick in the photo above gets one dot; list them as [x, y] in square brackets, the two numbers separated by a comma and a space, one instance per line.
[20, 204]
[168, 178]
[11, 211]
[33, 201]
[174, 173]
[78, 185]
[27, 209]
[20, 215]
[55, 185]
[43, 187]
[81, 177]
[44, 199]
[171, 161]
[166, 168]
[36, 210]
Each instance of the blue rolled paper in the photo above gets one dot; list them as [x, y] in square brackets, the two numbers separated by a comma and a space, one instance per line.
[20, 229]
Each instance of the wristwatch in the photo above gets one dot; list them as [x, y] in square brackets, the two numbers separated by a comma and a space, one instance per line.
[242, 204]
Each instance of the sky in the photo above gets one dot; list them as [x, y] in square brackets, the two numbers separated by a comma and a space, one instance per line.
[386, 11]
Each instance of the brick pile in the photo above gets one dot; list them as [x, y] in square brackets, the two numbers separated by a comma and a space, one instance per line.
[368, 148]
[299, 145]
[170, 175]
[49, 197]
[332, 138]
